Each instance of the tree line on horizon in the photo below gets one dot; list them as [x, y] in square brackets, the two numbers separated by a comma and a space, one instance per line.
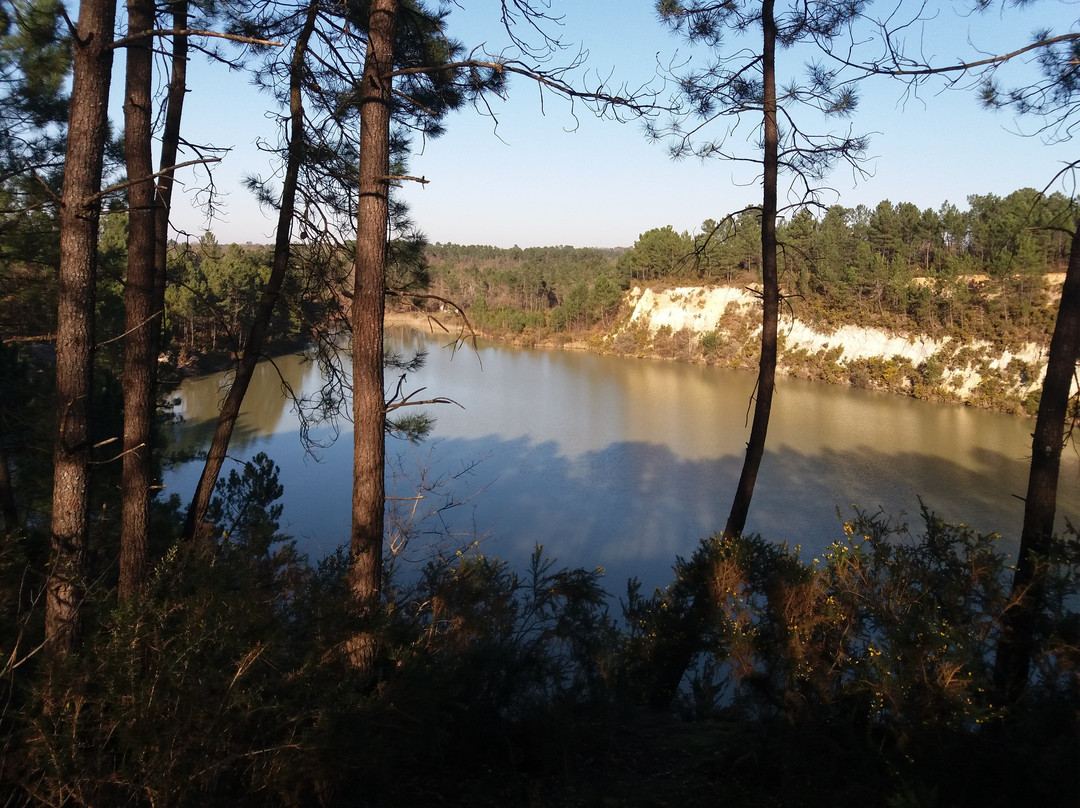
[979, 273]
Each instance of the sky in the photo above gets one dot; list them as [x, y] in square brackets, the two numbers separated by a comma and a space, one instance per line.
[543, 172]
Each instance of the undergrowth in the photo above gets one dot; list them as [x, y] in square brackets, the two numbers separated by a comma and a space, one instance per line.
[860, 677]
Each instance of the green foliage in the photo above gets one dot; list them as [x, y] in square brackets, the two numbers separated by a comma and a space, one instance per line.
[670, 344]
[35, 62]
[176, 698]
[504, 318]
[497, 641]
[181, 698]
[710, 343]
[978, 274]
[26, 420]
[884, 644]
[563, 288]
[658, 253]
[899, 627]
[244, 508]
[411, 426]
[927, 271]
[214, 292]
[898, 269]
[863, 674]
[633, 341]
[227, 683]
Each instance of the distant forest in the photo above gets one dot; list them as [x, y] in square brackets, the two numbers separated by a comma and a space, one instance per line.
[979, 273]
[986, 273]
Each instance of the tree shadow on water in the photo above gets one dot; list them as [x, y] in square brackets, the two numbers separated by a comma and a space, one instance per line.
[632, 507]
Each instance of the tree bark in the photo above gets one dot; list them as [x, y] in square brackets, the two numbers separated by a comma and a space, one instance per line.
[170, 148]
[8, 507]
[369, 406]
[79, 215]
[1016, 646]
[770, 293]
[142, 314]
[674, 653]
[230, 408]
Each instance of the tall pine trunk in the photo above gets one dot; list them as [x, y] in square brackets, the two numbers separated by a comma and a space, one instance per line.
[142, 315]
[368, 307]
[1016, 647]
[79, 214]
[770, 292]
[170, 148]
[8, 507]
[673, 654]
[230, 408]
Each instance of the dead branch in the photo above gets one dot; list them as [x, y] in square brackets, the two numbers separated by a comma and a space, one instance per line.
[244, 40]
[34, 338]
[130, 330]
[128, 183]
[397, 179]
[409, 402]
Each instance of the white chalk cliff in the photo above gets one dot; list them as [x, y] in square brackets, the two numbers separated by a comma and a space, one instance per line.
[959, 371]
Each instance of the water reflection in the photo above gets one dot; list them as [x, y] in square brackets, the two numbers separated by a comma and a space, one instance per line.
[267, 408]
[626, 463]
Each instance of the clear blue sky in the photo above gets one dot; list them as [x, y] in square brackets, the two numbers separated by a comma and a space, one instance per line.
[543, 176]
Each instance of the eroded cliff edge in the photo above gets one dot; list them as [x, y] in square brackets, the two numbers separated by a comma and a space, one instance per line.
[721, 325]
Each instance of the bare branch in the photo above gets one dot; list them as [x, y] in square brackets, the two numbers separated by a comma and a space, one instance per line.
[408, 401]
[551, 81]
[36, 338]
[127, 183]
[960, 67]
[245, 40]
[397, 179]
[136, 327]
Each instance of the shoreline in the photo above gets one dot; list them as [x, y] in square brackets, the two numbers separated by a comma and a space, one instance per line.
[415, 319]
[449, 322]
[889, 372]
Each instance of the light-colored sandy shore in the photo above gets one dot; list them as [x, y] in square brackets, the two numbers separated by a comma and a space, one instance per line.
[451, 324]
[416, 319]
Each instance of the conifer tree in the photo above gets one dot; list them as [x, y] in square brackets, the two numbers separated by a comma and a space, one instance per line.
[1051, 99]
[80, 209]
[142, 317]
[740, 83]
[35, 62]
[743, 83]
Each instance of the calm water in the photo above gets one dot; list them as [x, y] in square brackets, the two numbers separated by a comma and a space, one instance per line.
[626, 463]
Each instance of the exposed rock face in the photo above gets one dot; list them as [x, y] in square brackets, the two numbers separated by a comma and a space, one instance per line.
[698, 308]
[721, 316]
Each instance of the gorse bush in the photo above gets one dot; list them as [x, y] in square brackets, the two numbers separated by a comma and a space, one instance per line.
[517, 642]
[900, 627]
[172, 690]
[884, 644]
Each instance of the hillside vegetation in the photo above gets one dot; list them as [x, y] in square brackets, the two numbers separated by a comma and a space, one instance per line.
[980, 283]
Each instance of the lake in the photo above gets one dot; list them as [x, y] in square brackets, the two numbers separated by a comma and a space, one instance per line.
[625, 463]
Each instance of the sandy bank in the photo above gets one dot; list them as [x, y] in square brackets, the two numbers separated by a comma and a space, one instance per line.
[420, 320]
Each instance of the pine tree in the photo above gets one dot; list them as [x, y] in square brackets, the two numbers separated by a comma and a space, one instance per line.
[81, 203]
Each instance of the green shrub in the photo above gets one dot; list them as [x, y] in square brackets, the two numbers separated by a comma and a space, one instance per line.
[710, 343]
[884, 644]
